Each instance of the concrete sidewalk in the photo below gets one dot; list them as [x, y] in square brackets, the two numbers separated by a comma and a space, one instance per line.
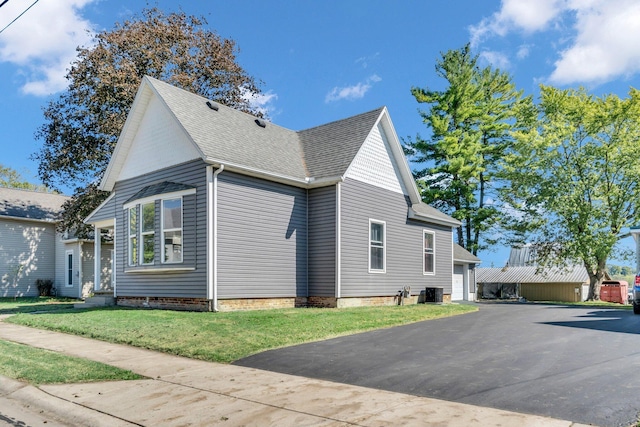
[181, 391]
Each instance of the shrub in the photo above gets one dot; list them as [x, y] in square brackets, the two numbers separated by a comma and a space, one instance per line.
[44, 287]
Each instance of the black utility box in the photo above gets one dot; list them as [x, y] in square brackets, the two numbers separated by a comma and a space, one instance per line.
[433, 295]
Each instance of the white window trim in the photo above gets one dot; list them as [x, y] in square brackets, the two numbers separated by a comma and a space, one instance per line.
[163, 230]
[384, 246]
[131, 262]
[146, 233]
[68, 270]
[424, 251]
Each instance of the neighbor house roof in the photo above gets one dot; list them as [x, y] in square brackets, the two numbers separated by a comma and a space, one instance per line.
[32, 205]
[532, 274]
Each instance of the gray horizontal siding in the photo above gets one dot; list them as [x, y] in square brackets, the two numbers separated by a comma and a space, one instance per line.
[27, 253]
[262, 238]
[404, 245]
[191, 284]
[107, 211]
[322, 241]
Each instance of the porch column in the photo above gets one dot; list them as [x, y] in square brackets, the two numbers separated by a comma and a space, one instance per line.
[97, 255]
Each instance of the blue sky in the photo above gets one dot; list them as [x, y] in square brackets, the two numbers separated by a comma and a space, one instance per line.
[324, 60]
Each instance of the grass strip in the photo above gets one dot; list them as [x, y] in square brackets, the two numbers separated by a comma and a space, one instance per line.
[38, 366]
[229, 336]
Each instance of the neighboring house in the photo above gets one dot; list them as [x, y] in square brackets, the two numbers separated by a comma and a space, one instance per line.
[214, 209]
[31, 249]
[521, 277]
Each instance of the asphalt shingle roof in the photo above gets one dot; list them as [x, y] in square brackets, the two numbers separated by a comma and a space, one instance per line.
[159, 188]
[329, 149]
[231, 137]
[30, 204]
[461, 254]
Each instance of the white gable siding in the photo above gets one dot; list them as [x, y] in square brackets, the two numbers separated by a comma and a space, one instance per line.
[159, 143]
[374, 164]
[27, 253]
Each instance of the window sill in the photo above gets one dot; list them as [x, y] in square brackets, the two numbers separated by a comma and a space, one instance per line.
[153, 270]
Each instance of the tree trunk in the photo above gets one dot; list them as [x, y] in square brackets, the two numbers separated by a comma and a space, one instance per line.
[595, 282]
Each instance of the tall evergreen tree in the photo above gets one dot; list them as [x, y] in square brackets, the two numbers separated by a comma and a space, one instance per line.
[470, 129]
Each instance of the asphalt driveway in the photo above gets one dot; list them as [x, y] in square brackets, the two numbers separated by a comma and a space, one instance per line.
[573, 363]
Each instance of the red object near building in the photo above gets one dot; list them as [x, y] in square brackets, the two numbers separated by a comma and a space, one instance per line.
[614, 291]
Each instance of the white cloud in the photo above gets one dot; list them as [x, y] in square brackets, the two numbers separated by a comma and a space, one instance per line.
[522, 15]
[42, 42]
[601, 44]
[261, 102]
[365, 60]
[351, 93]
[523, 51]
[496, 59]
[606, 44]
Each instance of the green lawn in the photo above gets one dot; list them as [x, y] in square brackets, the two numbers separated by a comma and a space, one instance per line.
[225, 337]
[39, 366]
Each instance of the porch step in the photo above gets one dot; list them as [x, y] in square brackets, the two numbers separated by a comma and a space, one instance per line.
[97, 301]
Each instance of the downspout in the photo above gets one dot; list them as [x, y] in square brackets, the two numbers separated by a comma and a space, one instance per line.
[212, 236]
[338, 242]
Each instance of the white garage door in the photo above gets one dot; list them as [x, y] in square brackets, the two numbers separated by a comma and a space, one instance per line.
[457, 292]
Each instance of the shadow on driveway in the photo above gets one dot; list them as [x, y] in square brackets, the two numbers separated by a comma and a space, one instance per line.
[607, 320]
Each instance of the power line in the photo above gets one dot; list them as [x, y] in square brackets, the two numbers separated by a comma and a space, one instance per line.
[18, 17]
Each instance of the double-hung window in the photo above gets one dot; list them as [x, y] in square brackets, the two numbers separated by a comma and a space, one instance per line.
[147, 233]
[172, 230]
[377, 246]
[429, 252]
[133, 235]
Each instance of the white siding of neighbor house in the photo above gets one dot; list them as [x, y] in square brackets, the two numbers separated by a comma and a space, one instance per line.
[27, 253]
[159, 143]
[61, 276]
[374, 164]
[60, 263]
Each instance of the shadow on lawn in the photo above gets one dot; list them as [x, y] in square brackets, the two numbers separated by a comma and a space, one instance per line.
[34, 305]
[606, 320]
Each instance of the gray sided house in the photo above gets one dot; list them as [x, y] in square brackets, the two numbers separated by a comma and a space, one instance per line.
[214, 209]
[31, 249]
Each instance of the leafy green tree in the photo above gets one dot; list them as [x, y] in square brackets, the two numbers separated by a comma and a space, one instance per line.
[83, 124]
[11, 178]
[575, 178]
[470, 130]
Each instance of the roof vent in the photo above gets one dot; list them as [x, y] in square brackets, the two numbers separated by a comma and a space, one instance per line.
[212, 105]
[261, 123]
